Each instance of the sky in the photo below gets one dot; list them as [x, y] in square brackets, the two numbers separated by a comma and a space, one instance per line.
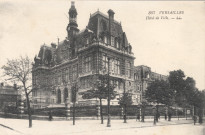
[164, 44]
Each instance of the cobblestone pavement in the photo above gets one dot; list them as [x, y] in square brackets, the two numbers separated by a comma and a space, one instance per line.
[93, 127]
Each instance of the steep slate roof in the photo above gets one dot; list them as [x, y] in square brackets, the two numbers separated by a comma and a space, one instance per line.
[99, 24]
[45, 54]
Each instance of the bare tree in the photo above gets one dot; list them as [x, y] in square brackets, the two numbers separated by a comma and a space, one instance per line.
[19, 70]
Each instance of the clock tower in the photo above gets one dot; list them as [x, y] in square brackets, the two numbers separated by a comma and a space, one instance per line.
[72, 27]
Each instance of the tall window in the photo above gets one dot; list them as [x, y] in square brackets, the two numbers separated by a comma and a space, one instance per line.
[59, 96]
[117, 43]
[87, 64]
[105, 40]
[113, 66]
[67, 75]
[63, 76]
[65, 94]
[129, 69]
[105, 62]
[59, 79]
[112, 41]
[117, 67]
[83, 83]
[87, 40]
[86, 83]
[74, 71]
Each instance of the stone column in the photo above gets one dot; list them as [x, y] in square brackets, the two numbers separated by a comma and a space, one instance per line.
[62, 96]
[21, 108]
[98, 111]
[122, 112]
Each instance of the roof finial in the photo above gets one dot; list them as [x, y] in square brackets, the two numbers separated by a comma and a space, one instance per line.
[58, 40]
[72, 3]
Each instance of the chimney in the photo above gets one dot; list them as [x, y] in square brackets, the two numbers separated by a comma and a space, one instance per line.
[53, 45]
[2, 84]
[111, 19]
[111, 14]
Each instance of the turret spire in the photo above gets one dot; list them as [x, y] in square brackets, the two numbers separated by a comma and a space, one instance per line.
[72, 27]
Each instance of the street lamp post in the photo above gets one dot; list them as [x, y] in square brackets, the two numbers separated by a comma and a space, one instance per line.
[155, 115]
[125, 107]
[108, 99]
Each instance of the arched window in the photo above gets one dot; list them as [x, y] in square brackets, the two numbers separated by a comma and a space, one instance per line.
[65, 94]
[59, 96]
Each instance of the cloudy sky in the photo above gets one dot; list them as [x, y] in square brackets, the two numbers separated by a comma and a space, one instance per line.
[164, 45]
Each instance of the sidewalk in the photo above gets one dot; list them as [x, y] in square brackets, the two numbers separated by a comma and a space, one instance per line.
[87, 127]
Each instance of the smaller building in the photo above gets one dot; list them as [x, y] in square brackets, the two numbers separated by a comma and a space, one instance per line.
[9, 97]
[143, 76]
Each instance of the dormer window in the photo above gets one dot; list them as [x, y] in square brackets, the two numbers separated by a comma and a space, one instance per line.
[147, 75]
[117, 44]
[87, 41]
[105, 40]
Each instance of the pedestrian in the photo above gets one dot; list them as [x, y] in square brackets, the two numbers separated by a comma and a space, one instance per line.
[138, 117]
[165, 116]
[195, 119]
[154, 119]
[169, 116]
[200, 119]
[50, 117]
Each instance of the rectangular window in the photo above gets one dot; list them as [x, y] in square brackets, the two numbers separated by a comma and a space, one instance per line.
[59, 79]
[117, 43]
[117, 67]
[87, 40]
[67, 75]
[74, 71]
[63, 76]
[56, 79]
[113, 67]
[112, 41]
[129, 69]
[105, 63]
[86, 83]
[105, 40]
[87, 64]
[83, 83]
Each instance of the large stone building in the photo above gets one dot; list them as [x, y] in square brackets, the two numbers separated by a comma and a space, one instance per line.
[81, 57]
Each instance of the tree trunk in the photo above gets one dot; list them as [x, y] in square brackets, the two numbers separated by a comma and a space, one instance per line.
[73, 113]
[101, 114]
[29, 109]
[169, 114]
[157, 113]
[142, 113]
[125, 113]
[186, 113]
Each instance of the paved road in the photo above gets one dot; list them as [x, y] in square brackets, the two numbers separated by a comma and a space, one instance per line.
[93, 127]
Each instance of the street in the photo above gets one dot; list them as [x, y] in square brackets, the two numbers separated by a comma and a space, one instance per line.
[93, 127]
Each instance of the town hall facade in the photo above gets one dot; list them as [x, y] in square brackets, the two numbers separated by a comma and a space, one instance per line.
[82, 57]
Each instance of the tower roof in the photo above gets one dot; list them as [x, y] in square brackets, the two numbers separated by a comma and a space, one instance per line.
[72, 9]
